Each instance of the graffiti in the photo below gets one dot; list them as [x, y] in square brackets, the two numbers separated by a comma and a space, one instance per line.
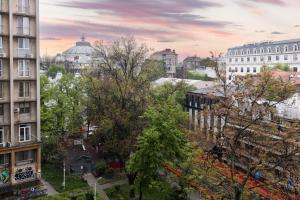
[4, 177]
[23, 174]
[31, 192]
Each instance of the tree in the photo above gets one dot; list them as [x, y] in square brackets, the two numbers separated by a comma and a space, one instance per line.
[62, 106]
[246, 110]
[54, 69]
[163, 141]
[118, 92]
[283, 67]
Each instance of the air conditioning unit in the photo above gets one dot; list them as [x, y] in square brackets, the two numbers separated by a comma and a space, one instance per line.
[8, 144]
[16, 110]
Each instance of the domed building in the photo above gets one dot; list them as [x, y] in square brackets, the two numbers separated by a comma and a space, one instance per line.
[78, 57]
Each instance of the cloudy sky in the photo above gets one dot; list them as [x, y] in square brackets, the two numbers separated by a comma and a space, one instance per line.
[192, 27]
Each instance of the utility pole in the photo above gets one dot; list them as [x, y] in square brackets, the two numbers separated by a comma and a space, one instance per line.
[64, 176]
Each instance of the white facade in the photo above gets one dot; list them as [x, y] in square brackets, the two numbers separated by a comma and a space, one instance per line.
[170, 58]
[249, 58]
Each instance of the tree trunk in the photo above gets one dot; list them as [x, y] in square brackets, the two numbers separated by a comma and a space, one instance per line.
[141, 192]
[131, 179]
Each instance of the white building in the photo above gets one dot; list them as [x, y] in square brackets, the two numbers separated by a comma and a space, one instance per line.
[78, 57]
[170, 58]
[249, 58]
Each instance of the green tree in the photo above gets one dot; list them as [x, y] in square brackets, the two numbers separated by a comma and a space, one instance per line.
[54, 69]
[118, 92]
[283, 67]
[163, 141]
[62, 105]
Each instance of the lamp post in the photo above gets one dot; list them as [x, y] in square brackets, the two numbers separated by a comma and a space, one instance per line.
[95, 188]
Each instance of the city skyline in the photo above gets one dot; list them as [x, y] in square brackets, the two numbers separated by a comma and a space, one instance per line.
[192, 27]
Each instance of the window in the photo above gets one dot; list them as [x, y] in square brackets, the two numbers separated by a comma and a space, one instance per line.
[229, 69]
[24, 108]
[1, 135]
[248, 51]
[269, 58]
[1, 90]
[25, 156]
[286, 48]
[248, 69]
[23, 5]
[1, 42]
[236, 69]
[277, 49]
[230, 60]
[295, 69]
[236, 60]
[24, 89]
[286, 57]
[242, 69]
[1, 109]
[248, 59]
[254, 59]
[254, 69]
[255, 51]
[296, 48]
[277, 58]
[1, 67]
[23, 43]
[262, 50]
[24, 133]
[269, 50]
[23, 25]
[242, 59]
[261, 59]
[23, 68]
[295, 57]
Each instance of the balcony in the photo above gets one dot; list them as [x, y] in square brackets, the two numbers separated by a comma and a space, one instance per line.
[23, 31]
[24, 53]
[23, 10]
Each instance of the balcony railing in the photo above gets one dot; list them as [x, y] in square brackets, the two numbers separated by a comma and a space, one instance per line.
[24, 53]
[23, 9]
[23, 31]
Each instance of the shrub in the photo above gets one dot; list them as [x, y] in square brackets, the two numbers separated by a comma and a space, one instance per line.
[101, 167]
[109, 173]
[89, 196]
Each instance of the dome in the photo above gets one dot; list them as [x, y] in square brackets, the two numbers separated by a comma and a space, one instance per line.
[82, 48]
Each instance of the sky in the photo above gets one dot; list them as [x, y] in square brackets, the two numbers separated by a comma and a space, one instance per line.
[191, 27]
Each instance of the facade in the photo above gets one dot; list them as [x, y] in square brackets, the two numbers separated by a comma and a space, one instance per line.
[204, 121]
[78, 57]
[193, 62]
[249, 58]
[170, 58]
[20, 149]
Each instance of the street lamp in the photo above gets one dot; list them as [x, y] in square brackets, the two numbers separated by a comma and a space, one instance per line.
[95, 188]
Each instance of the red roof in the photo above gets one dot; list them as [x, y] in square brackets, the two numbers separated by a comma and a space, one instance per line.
[288, 76]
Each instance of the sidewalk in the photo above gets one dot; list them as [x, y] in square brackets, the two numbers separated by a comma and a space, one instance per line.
[50, 190]
[100, 188]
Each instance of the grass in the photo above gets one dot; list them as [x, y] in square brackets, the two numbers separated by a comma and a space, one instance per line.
[54, 176]
[79, 193]
[156, 193]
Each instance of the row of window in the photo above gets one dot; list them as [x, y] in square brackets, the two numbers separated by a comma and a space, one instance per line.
[24, 134]
[248, 69]
[263, 59]
[21, 156]
[262, 50]
[24, 108]
[24, 89]
[23, 68]
[23, 43]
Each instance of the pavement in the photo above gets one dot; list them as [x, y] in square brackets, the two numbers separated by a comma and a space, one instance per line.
[100, 188]
[50, 190]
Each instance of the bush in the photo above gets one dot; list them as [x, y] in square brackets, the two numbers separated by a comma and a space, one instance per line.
[101, 167]
[89, 196]
[109, 173]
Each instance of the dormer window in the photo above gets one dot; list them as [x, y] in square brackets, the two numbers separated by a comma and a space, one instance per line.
[296, 48]
[286, 48]
[269, 50]
[261, 50]
[248, 51]
[277, 50]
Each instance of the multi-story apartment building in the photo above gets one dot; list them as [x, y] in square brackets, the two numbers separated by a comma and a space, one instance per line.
[170, 58]
[20, 149]
[249, 58]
